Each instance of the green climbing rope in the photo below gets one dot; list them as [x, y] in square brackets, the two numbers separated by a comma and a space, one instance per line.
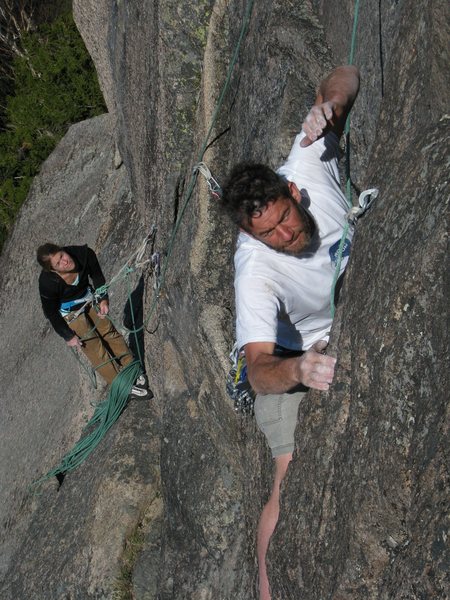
[105, 415]
[347, 122]
[203, 148]
[190, 189]
[107, 412]
[347, 171]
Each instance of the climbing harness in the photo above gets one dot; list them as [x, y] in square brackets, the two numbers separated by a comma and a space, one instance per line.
[74, 314]
[69, 308]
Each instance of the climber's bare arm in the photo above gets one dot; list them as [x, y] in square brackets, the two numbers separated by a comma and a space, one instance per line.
[269, 374]
[335, 98]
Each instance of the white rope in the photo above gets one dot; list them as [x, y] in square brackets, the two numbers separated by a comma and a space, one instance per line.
[365, 201]
[141, 250]
[134, 262]
[156, 266]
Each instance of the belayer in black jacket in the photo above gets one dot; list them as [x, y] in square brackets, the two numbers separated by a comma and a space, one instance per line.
[67, 301]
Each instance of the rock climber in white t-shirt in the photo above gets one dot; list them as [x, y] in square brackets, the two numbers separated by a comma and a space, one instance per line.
[291, 222]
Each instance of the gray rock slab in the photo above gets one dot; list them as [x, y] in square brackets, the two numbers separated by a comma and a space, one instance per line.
[78, 197]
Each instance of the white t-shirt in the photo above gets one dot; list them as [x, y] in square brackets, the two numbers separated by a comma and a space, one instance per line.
[282, 298]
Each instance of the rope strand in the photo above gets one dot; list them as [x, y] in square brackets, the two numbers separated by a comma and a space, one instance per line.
[348, 189]
[109, 411]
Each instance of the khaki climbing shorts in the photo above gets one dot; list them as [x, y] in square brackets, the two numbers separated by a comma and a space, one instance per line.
[276, 416]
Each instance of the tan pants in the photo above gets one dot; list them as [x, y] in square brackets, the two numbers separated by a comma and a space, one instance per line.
[101, 342]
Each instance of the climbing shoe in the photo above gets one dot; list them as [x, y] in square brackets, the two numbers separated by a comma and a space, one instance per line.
[140, 388]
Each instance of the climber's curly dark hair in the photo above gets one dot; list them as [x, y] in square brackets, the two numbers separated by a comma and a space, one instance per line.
[249, 189]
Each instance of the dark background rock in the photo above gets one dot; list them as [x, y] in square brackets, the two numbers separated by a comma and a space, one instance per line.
[365, 499]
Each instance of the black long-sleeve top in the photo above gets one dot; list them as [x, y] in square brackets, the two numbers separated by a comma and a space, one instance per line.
[54, 290]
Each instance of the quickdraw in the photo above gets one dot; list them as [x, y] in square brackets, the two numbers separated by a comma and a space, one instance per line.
[365, 201]
[238, 386]
[213, 185]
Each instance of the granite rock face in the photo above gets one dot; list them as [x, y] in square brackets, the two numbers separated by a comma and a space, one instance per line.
[364, 504]
[67, 541]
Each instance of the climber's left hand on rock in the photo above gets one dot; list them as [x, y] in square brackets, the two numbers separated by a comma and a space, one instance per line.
[317, 121]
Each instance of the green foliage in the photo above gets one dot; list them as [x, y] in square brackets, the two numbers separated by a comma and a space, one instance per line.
[134, 543]
[54, 87]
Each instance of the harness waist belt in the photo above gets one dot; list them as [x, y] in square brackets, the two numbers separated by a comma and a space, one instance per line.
[70, 305]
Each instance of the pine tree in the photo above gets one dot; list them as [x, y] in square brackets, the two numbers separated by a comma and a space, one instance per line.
[55, 85]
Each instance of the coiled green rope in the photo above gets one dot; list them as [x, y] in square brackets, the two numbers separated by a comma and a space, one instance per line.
[105, 415]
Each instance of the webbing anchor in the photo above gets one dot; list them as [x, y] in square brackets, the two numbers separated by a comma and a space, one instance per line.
[214, 187]
[365, 201]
